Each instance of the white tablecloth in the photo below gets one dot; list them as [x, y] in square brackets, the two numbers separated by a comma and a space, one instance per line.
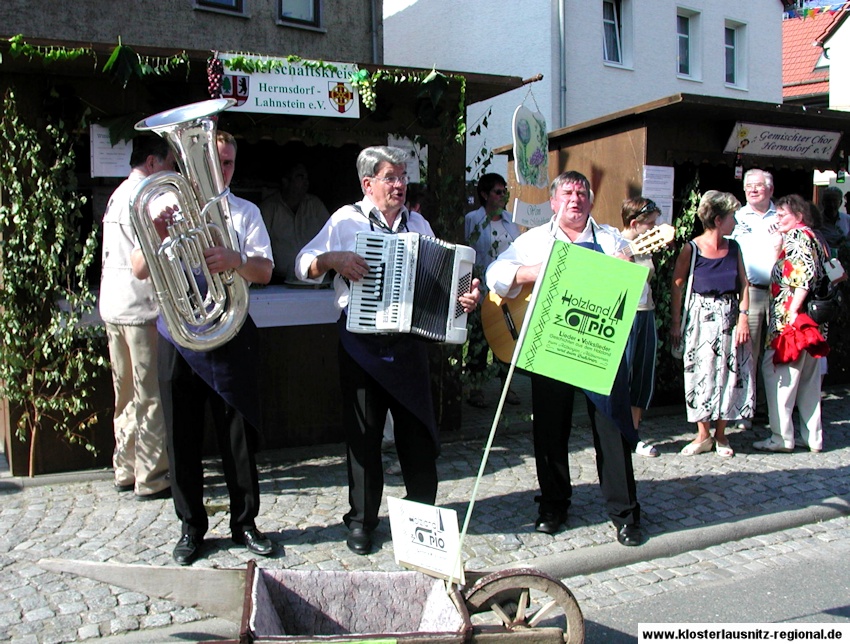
[279, 305]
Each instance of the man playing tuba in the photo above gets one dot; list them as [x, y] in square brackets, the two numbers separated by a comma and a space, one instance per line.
[225, 377]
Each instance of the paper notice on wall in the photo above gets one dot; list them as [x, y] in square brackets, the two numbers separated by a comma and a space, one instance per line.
[658, 186]
[108, 160]
[417, 162]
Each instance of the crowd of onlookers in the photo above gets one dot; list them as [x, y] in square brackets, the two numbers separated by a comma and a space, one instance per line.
[748, 279]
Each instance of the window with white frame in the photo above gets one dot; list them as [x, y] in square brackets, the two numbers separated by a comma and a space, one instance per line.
[304, 13]
[683, 32]
[735, 47]
[226, 6]
[612, 34]
[616, 31]
[687, 43]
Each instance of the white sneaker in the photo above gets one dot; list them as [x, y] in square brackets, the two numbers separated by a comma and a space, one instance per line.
[645, 449]
[770, 445]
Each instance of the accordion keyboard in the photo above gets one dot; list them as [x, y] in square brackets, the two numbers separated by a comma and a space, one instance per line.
[412, 287]
[378, 300]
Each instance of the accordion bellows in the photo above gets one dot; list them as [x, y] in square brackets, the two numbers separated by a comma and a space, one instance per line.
[412, 286]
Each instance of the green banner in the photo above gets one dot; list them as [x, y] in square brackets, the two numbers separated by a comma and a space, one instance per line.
[582, 312]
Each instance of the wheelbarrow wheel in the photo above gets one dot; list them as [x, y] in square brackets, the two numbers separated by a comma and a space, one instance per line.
[515, 600]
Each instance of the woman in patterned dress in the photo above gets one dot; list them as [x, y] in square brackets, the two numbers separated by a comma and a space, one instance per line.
[798, 270]
[718, 352]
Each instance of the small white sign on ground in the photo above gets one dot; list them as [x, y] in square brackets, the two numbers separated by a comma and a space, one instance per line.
[426, 538]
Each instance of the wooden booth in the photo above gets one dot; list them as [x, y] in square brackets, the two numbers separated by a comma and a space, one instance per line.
[298, 367]
[688, 133]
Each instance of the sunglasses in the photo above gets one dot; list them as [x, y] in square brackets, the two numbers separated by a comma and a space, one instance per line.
[499, 191]
[647, 208]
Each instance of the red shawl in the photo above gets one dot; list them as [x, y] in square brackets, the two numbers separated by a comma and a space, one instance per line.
[803, 335]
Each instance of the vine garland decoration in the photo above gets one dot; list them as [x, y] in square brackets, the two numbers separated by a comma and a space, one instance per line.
[123, 63]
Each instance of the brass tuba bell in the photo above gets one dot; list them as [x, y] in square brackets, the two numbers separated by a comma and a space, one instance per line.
[202, 310]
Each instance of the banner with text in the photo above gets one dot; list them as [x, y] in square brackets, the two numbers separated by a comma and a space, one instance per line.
[788, 142]
[302, 87]
[581, 317]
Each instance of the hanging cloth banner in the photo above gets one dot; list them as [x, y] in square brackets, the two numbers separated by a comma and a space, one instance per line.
[531, 167]
[582, 311]
[301, 87]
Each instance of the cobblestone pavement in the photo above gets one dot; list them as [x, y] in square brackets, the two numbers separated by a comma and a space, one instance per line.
[304, 496]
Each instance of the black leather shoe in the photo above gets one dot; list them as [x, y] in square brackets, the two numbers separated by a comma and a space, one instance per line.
[630, 534]
[549, 522]
[187, 549]
[255, 541]
[359, 541]
[162, 494]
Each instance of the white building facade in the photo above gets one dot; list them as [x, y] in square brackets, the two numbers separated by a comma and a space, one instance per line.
[596, 56]
[838, 48]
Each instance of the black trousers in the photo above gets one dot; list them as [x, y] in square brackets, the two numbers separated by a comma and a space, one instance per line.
[552, 403]
[365, 404]
[184, 396]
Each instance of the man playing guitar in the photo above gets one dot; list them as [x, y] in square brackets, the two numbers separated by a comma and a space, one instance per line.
[552, 401]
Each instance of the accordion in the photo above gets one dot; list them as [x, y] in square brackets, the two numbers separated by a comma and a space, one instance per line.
[412, 287]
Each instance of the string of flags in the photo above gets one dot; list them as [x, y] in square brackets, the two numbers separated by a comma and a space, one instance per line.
[811, 12]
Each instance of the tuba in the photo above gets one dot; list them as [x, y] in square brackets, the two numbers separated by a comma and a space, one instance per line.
[201, 310]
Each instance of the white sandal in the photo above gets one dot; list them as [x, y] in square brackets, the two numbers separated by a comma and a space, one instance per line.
[724, 449]
[694, 448]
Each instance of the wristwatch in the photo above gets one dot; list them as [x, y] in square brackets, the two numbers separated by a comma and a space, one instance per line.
[244, 257]
[744, 312]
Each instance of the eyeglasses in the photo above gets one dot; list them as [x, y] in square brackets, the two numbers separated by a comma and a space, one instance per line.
[648, 207]
[755, 186]
[393, 180]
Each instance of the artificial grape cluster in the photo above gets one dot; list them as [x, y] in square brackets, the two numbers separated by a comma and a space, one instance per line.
[367, 94]
[215, 72]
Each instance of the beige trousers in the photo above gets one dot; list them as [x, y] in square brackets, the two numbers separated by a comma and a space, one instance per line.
[140, 455]
[786, 385]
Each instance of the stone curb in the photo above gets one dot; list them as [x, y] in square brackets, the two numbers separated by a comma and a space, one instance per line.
[612, 555]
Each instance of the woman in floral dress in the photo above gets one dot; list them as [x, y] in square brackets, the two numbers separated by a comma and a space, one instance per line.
[798, 270]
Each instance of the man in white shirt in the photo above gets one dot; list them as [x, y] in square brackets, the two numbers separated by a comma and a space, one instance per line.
[614, 436]
[226, 379]
[378, 373]
[755, 232]
[293, 216]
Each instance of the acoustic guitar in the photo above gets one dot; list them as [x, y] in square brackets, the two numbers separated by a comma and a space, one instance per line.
[502, 317]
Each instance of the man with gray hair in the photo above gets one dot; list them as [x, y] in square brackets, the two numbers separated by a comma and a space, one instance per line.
[755, 232]
[378, 373]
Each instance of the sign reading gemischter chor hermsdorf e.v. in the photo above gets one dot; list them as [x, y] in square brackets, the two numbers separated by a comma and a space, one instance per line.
[582, 312]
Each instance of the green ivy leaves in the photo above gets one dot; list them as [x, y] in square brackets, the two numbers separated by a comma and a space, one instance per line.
[123, 64]
[49, 359]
